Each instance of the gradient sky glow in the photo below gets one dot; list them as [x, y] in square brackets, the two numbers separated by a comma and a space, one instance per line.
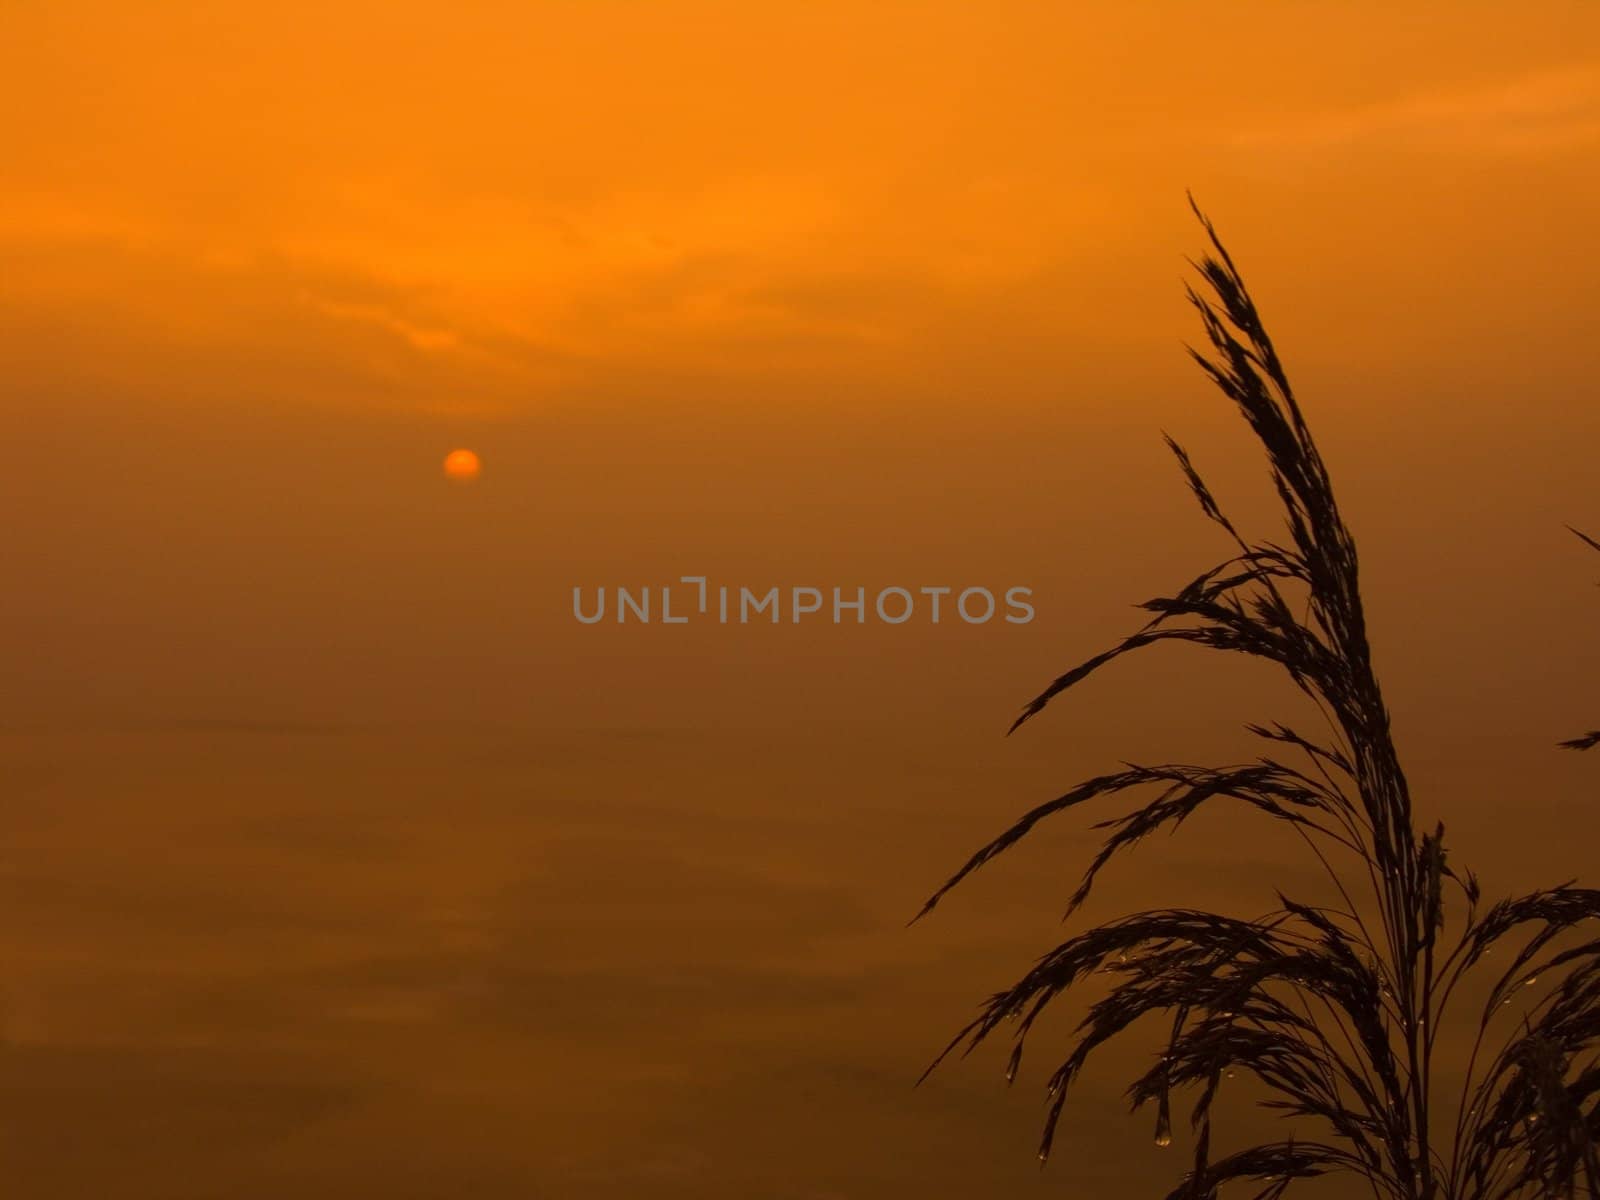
[339, 861]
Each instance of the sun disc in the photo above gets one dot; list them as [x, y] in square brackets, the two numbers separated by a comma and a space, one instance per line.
[462, 465]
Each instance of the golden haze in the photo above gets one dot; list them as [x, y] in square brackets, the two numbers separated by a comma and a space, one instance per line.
[339, 862]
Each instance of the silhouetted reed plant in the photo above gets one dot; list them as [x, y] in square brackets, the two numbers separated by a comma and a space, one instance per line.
[1332, 1008]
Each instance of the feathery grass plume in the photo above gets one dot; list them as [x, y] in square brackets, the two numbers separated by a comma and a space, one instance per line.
[1592, 738]
[1334, 1010]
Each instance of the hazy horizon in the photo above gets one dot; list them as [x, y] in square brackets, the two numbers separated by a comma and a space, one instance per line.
[339, 859]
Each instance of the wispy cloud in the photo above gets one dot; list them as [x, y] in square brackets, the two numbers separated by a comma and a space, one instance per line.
[1540, 113]
[419, 337]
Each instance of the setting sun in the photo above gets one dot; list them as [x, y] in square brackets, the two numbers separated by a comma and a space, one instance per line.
[371, 832]
[462, 465]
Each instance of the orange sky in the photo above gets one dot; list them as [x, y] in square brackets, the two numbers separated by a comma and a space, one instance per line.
[651, 258]
[513, 205]
[854, 293]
